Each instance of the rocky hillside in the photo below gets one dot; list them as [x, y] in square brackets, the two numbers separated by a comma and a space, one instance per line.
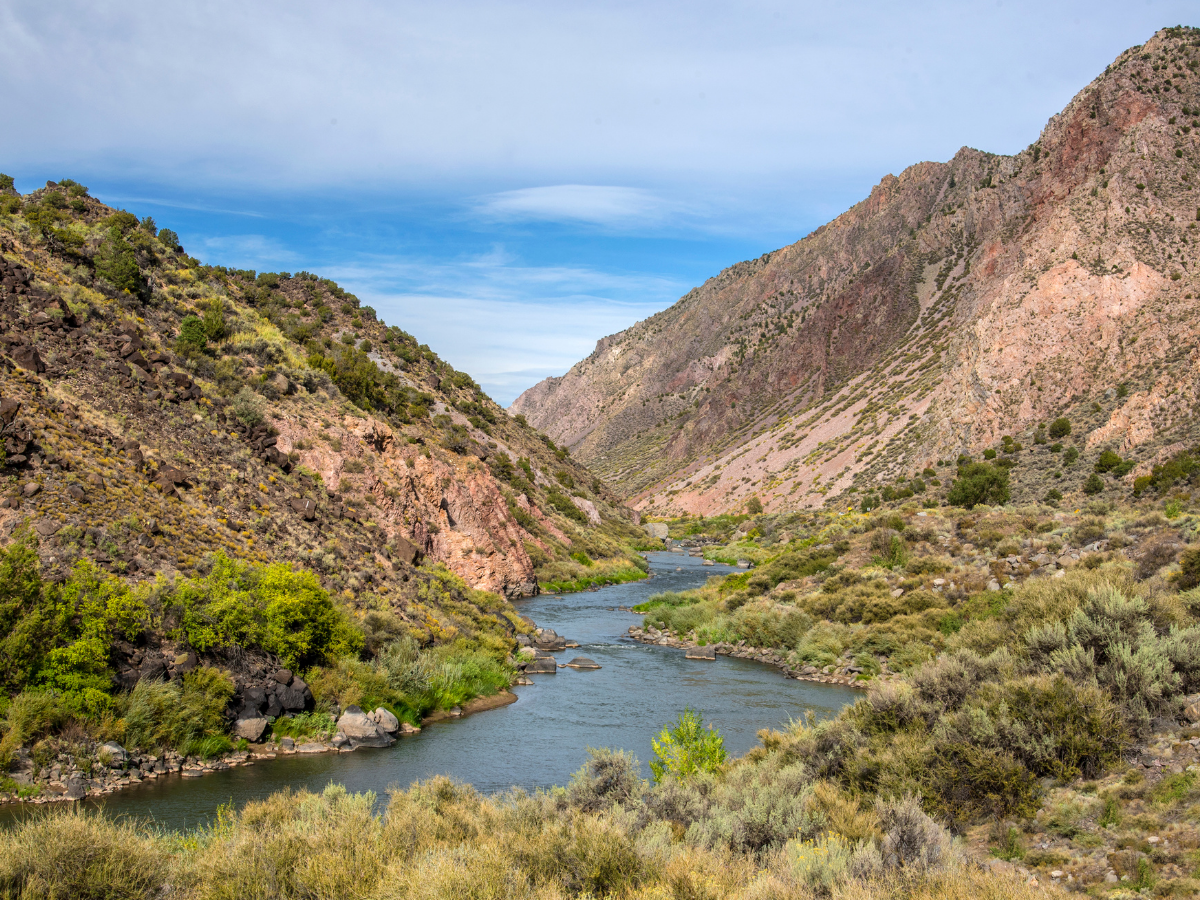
[960, 303]
[157, 410]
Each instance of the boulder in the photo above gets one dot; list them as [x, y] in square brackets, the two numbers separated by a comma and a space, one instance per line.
[385, 720]
[582, 662]
[340, 740]
[76, 788]
[306, 509]
[543, 665]
[312, 747]
[251, 729]
[362, 730]
[28, 358]
[31, 488]
[283, 676]
[295, 696]
[9, 409]
[115, 752]
[406, 551]
[701, 653]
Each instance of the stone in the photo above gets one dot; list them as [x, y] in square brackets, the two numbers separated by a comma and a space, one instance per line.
[283, 676]
[406, 728]
[287, 744]
[306, 509]
[898, 592]
[295, 696]
[312, 747]
[406, 551]
[656, 529]
[45, 528]
[701, 653]
[362, 730]
[31, 488]
[28, 358]
[542, 665]
[340, 740]
[9, 409]
[251, 729]
[385, 720]
[115, 752]
[76, 788]
[993, 585]
[582, 662]
[77, 492]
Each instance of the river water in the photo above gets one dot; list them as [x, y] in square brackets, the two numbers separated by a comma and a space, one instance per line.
[543, 738]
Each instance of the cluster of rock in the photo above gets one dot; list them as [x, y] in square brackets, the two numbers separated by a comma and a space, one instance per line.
[259, 698]
[356, 728]
[843, 671]
[102, 769]
[533, 656]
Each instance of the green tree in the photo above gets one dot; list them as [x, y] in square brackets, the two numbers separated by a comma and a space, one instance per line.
[215, 328]
[26, 620]
[1093, 485]
[754, 506]
[169, 239]
[1060, 428]
[191, 334]
[979, 483]
[687, 749]
[1107, 461]
[117, 264]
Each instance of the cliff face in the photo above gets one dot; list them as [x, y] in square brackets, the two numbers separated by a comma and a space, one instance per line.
[960, 302]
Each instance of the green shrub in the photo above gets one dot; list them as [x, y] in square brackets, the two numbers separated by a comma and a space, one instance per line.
[192, 336]
[1059, 428]
[1107, 461]
[608, 777]
[1070, 455]
[979, 483]
[1093, 485]
[687, 749]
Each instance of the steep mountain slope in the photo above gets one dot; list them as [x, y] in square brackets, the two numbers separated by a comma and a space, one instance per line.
[960, 302]
[156, 412]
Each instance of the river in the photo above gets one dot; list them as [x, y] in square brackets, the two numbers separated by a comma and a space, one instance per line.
[543, 738]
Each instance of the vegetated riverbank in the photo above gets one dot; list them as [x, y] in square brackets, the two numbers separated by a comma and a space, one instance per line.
[844, 672]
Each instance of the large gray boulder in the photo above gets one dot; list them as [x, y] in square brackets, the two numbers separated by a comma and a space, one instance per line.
[362, 730]
[385, 720]
[542, 665]
[115, 752]
[252, 729]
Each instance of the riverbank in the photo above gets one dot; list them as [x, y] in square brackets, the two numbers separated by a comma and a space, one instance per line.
[846, 673]
[103, 769]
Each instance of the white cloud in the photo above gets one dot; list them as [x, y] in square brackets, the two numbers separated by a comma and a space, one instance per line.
[595, 204]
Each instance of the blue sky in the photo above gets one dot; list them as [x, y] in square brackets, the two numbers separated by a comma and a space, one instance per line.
[512, 181]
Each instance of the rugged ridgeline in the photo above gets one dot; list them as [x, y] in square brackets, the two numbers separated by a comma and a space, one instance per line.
[165, 418]
[959, 303]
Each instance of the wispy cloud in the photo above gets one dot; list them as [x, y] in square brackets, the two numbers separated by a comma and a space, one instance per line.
[507, 323]
[249, 251]
[594, 204]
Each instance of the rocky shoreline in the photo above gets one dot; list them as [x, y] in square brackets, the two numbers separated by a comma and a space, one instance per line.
[109, 767]
[845, 672]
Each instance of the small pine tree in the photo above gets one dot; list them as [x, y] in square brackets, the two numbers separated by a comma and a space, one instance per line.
[1093, 485]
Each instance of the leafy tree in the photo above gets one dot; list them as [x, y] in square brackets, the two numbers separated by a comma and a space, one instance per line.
[169, 239]
[1093, 485]
[1060, 428]
[26, 619]
[979, 483]
[687, 749]
[117, 264]
[149, 226]
[6, 182]
[754, 506]
[1107, 461]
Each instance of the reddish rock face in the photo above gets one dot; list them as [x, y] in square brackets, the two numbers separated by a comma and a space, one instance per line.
[453, 514]
[960, 302]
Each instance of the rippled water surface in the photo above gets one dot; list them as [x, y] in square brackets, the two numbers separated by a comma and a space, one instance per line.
[543, 737]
